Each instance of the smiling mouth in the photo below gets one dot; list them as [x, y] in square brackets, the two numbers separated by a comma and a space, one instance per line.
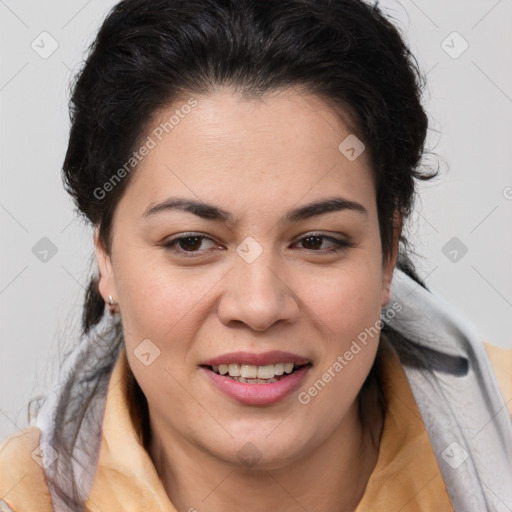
[253, 374]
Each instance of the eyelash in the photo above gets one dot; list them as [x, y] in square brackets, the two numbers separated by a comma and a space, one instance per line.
[340, 245]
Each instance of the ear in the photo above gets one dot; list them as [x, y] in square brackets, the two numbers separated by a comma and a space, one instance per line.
[389, 265]
[106, 284]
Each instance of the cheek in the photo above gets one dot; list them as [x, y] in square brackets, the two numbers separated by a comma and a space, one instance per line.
[158, 299]
[346, 300]
[348, 310]
[165, 305]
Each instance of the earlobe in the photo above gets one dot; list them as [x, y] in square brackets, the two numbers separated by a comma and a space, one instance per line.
[389, 266]
[106, 281]
[386, 288]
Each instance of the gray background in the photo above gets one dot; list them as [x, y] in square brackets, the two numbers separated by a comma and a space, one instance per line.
[469, 99]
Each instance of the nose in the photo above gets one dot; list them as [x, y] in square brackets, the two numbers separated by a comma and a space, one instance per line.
[257, 295]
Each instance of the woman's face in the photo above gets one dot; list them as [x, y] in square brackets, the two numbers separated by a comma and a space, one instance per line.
[265, 275]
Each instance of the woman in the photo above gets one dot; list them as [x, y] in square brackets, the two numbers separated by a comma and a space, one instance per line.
[248, 168]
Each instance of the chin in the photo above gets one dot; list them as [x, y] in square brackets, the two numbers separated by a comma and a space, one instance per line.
[260, 453]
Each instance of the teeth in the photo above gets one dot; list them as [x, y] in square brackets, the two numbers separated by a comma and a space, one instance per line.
[251, 371]
[254, 381]
[265, 372]
[288, 367]
[279, 369]
[234, 370]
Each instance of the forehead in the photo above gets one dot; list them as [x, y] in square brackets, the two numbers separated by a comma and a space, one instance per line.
[276, 149]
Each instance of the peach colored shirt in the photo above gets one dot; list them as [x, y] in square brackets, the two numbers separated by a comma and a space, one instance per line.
[406, 476]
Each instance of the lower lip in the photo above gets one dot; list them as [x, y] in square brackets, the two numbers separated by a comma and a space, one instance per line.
[258, 394]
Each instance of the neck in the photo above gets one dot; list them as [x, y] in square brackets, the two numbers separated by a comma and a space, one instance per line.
[332, 477]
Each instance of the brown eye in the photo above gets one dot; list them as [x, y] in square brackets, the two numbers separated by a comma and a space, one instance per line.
[187, 244]
[190, 243]
[314, 242]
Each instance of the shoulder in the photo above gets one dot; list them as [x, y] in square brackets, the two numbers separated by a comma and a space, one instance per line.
[23, 484]
[501, 361]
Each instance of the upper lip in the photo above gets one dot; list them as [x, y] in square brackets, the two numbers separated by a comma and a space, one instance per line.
[272, 357]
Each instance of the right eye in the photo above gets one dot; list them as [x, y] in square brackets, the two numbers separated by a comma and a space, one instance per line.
[187, 244]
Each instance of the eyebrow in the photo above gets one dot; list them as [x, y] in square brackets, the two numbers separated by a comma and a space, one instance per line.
[212, 212]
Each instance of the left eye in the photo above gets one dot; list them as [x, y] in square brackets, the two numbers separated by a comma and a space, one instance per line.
[316, 240]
